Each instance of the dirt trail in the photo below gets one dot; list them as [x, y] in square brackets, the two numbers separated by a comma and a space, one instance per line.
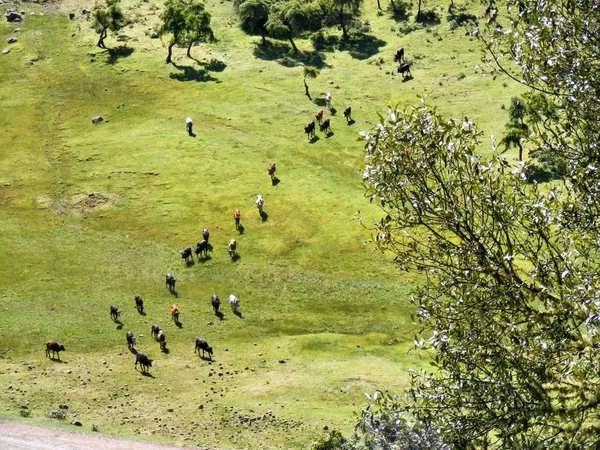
[20, 436]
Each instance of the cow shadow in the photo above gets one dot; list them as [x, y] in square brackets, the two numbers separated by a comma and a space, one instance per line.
[283, 54]
[236, 257]
[141, 313]
[319, 101]
[205, 358]
[241, 229]
[329, 134]
[174, 293]
[209, 247]
[179, 325]
[314, 139]
[220, 315]
[264, 216]
[205, 259]
[239, 314]
[57, 360]
[166, 351]
[275, 181]
[351, 122]
[118, 322]
[189, 73]
[147, 374]
[192, 134]
[189, 263]
[133, 351]
[122, 51]
[332, 110]
[407, 78]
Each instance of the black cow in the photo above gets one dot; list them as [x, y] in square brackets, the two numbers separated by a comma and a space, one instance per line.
[399, 56]
[170, 280]
[154, 331]
[214, 300]
[55, 348]
[404, 69]
[186, 254]
[139, 303]
[130, 340]
[114, 313]
[348, 113]
[144, 362]
[201, 344]
[309, 129]
[205, 235]
[325, 126]
[201, 247]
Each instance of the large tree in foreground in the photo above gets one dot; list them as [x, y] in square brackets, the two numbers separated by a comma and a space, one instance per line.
[510, 303]
[108, 18]
[174, 24]
[197, 25]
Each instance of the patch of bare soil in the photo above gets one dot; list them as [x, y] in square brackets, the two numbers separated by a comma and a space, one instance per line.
[93, 201]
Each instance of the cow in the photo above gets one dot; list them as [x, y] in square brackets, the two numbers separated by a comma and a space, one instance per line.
[232, 248]
[234, 302]
[114, 313]
[319, 115]
[205, 235]
[201, 344]
[186, 254]
[271, 170]
[52, 346]
[493, 15]
[130, 340]
[162, 340]
[309, 129]
[144, 362]
[328, 100]
[215, 302]
[237, 215]
[399, 56]
[348, 113]
[404, 69]
[154, 331]
[201, 247]
[188, 125]
[175, 313]
[260, 201]
[325, 126]
[139, 304]
[170, 281]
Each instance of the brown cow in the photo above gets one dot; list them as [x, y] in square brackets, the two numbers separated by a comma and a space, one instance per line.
[237, 215]
[162, 340]
[52, 346]
[271, 170]
[175, 313]
[319, 115]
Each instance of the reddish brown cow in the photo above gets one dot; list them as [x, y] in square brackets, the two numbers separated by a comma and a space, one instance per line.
[175, 313]
[237, 215]
[52, 346]
[271, 170]
[319, 115]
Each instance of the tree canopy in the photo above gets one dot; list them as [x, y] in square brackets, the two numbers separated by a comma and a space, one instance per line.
[110, 18]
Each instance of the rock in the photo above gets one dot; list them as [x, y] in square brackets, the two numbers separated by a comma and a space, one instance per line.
[77, 423]
[17, 30]
[11, 40]
[154, 35]
[6, 51]
[282, 361]
[201, 407]
[84, 11]
[71, 16]
[13, 16]
[170, 410]
[326, 428]
[97, 119]
[63, 406]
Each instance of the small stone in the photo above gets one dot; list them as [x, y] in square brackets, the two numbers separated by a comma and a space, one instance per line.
[63, 406]
[6, 51]
[170, 409]
[282, 361]
[76, 423]
[201, 407]
[69, 371]
[11, 40]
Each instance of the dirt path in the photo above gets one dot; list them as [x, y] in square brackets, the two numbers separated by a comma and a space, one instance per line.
[20, 436]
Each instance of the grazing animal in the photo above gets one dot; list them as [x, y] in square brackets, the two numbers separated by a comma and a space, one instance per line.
[325, 126]
[259, 203]
[404, 69]
[399, 56]
[52, 346]
[139, 303]
[175, 313]
[186, 254]
[328, 100]
[170, 281]
[144, 362]
[309, 129]
[348, 113]
[234, 302]
[319, 115]
[154, 331]
[232, 248]
[201, 344]
[201, 247]
[188, 125]
[493, 15]
[97, 119]
[130, 340]
[114, 313]
[162, 340]
[271, 170]
[205, 235]
[215, 302]
[237, 215]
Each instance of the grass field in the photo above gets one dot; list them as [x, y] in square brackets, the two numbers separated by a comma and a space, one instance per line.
[93, 215]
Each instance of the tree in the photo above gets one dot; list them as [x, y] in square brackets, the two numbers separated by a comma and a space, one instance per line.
[287, 19]
[255, 14]
[197, 25]
[347, 10]
[309, 72]
[173, 22]
[516, 129]
[110, 18]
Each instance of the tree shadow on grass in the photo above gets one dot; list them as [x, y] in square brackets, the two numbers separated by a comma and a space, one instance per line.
[282, 53]
[462, 18]
[114, 54]
[428, 18]
[189, 73]
[360, 46]
[399, 10]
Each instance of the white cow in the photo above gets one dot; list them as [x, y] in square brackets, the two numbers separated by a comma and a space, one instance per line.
[189, 124]
[328, 100]
[234, 302]
[260, 202]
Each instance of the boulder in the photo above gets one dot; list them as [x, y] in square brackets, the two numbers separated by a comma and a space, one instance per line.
[11, 40]
[85, 12]
[97, 119]
[13, 16]
[76, 423]
[71, 16]
[6, 51]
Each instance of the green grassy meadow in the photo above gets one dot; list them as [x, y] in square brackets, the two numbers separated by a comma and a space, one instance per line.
[91, 216]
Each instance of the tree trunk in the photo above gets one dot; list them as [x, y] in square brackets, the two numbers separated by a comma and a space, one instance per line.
[264, 37]
[103, 35]
[378, 5]
[293, 43]
[306, 89]
[418, 11]
[393, 5]
[451, 7]
[171, 45]
[189, 49]
[342, 24]
[520, 151]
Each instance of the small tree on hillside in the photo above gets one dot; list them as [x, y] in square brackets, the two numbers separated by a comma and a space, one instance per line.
[516, 128]
[347, 10]
[173, 22]
[255, 14]
[109, 18]
[197, 25]
[288, 19]
[309, 72]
